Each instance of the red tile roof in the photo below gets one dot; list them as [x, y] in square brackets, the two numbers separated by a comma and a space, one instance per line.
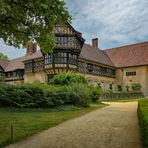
[15, 64]
[18, 62]
[95, 54]
[3, 63]
[129, 55]
[125, 56]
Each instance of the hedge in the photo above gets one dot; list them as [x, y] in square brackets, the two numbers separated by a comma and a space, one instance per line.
[143, 120]
[121, 95]
[76, 92]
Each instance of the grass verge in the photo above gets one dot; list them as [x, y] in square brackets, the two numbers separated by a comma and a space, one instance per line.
[123, 100]
[26, 122]
[143, 120]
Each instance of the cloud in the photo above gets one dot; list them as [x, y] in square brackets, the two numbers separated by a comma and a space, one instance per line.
[11, 51]
[115, 22]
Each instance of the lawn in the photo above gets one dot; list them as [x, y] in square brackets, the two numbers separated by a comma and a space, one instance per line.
[29, 121]
[123, 100]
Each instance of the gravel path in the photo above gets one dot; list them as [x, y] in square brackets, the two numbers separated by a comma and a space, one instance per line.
[114, 126]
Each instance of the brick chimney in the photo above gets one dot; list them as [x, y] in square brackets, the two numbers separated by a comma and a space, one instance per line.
[32, 48]
[95, 42]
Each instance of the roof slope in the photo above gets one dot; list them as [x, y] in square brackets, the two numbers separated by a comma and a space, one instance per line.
[15, 64]
[18, 62]
[129, 55]
[96, 55]
[3, 63]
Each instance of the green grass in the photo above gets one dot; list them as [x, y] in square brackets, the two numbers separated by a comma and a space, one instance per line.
[143, 120]
[124, 100]
[29, 121]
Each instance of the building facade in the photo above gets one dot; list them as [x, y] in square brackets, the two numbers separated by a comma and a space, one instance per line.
[113, 69]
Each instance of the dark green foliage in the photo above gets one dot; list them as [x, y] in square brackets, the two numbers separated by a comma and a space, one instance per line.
[66, 79]
[76, 91]
[143, 120]
[95, 93]
[31, 20]
[119, 88]
[79, 94]
[127, 88]
[136, 87]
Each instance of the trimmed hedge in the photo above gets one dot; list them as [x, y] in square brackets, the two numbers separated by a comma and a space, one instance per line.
[39, 95]
[143, 120]
[121, 95]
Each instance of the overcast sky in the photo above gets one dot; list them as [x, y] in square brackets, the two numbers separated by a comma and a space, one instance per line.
[114, 22]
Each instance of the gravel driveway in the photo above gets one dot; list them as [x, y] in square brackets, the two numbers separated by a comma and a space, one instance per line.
[114, 126]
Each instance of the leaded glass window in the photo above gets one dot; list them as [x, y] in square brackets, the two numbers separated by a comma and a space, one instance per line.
[1, 76]
[72, 58]
[60, 57]
[48, 58]
[29, 66]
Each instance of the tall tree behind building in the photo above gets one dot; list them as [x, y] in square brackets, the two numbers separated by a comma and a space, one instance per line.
[3, 57]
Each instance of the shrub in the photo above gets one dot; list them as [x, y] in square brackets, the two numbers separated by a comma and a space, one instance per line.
[79, 94]
[120, 88]
[66, 79]
[136, 86]
[143, 120]
[65, 89]
[33, 95]
[95, 93]
[127, 88]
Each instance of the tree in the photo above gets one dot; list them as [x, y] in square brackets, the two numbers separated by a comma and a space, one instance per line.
[3, 57]
[22, 21]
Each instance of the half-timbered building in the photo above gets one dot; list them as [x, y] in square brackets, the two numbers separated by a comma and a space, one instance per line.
[111, 68]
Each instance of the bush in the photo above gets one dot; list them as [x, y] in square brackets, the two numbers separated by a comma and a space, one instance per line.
[66, 79]
[37, 95]
[143, 120]
[136, 87]
[32, 96]
[95, 93]
[79, 94]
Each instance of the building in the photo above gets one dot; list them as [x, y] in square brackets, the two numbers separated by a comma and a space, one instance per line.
[115, 68]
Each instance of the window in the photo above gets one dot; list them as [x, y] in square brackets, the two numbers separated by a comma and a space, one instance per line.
[48, 58]
[103, 70]
[72, 58]
[29, 66]
[133, 73]
[62, 40]
[9, 74]
[60, 57]
[89, 67]
[1, 76]
[111, 71]
[14, 73]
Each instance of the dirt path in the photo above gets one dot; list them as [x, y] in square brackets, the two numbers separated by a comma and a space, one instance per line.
[114, 126]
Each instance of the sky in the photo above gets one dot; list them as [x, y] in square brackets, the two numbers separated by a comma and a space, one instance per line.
[113, 22]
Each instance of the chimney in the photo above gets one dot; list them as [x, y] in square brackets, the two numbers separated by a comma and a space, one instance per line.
[32, 48]
[95, 43]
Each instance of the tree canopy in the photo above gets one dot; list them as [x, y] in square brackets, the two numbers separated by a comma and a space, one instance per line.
[22, 21]
[3, 57]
